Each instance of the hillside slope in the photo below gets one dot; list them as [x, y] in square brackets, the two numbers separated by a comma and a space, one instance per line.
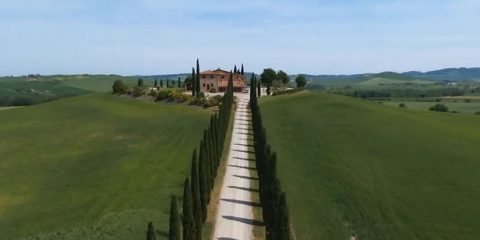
[93, 167]
[354, 167]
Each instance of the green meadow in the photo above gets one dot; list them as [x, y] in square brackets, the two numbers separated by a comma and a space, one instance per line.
[93, 167]
[353, 167]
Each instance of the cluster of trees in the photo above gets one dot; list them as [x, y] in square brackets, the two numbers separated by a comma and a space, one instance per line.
[270, 78]
[272, 197]
[198, 186]
[159, 84]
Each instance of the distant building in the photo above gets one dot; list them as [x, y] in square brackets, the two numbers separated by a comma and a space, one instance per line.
[217, 81]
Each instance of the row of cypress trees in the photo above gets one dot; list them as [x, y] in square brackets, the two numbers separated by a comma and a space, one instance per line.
[198, 186]
[272, 197]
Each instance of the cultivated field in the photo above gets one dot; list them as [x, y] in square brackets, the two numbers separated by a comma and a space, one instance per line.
[350, 166]
[93, 167]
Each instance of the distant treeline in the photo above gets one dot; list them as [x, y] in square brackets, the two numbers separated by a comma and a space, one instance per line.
[401, 93]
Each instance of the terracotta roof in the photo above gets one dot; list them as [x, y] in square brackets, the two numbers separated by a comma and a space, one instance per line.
[216, 71]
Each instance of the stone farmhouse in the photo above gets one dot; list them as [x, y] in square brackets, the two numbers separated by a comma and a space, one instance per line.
[217, 81]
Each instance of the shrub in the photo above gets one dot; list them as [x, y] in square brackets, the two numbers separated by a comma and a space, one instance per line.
[439, 108]
[162, 95]
[138, 91]
[402, 105]
[119, 87]
[438, 100]
[213, 90]
[477, 113]
[467, 100]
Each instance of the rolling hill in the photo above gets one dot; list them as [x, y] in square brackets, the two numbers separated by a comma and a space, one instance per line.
[352, 167]
[93, 167]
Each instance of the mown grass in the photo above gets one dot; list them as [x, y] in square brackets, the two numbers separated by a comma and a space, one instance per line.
[93, 167]
[350, 166]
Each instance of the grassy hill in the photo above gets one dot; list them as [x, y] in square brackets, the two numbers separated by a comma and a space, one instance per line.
[354, 167]
[93, 167]
[450, 74]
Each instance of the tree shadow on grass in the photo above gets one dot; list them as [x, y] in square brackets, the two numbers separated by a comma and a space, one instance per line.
[248, 203]
[245, 220]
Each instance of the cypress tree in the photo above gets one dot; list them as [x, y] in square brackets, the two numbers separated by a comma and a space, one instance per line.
[197, 80]
[197, 202]
[174, 233]
[242, 71]
[161, 83]
[151, 235]
[194, 79]
[235, 69]
[203, 182]
[168, 83]
[259, 88]
[283, 218]
[155, 84]
[187, 218]
[178, 83]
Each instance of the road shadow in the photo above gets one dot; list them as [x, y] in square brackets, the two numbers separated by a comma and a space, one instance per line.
[244, 151]
[245, 120]
[245, 133]
[245, 220]
[245, 145]
[248, 203]
[246, 177]
[237, 166]
[244, 189]
[246, 139]
[245, 159]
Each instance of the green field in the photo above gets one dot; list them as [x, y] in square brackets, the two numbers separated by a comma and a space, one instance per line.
[350, 166]
[93, 167]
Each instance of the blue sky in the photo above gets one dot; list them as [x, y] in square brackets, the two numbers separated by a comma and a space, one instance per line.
[302, 36]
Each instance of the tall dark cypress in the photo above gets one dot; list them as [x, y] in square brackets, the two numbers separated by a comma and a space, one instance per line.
[203, 182]
[235, 69]
[151, 235]
[174, 233]
[197, 202]
[242, 71]
[155, 84]
[178, 83]
[194, 79]
[187, 214]
[283, 218]
[197, 80]
[259, 88]
[161, 82]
